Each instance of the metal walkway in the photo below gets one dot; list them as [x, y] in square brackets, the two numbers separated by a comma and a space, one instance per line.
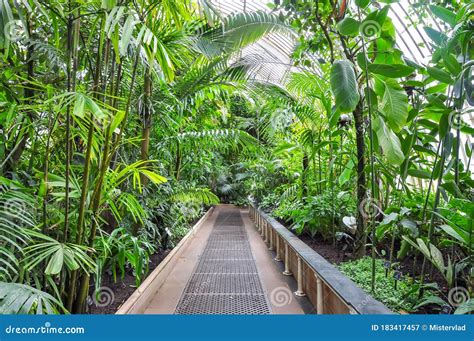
[225, 280]
[227, 264]
[225, 268]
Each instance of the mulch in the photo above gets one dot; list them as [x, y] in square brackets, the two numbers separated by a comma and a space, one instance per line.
[116, 293]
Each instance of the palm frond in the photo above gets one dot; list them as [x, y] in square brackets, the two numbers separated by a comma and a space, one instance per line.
[56, 255]
[16, 207]
[243, 29]
[22, 299]
[306, 86]
[290, 193]
[195, 195]
[214, 138]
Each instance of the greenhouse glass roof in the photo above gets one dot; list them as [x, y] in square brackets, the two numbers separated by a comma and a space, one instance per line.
[274, 51]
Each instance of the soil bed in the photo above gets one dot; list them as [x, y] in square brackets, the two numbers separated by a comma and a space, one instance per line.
[123, 288]
[408, 266]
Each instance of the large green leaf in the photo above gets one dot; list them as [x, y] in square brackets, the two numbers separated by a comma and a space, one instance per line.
[419, 173]
[16, 215]
[389, 142]
[440, 75]
[452, 64]
[344, 86]
[348, 26]
[56, 262]
[346, 173]
[394, 104]
[84, 103]
[437, 37]
[57, 255]
[444, 14]
[465, 308]
[362, 3]
[392, 71]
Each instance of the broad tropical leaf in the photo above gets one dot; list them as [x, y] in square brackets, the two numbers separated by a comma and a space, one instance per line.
[344, 86]
[394, 104]
[389, 142]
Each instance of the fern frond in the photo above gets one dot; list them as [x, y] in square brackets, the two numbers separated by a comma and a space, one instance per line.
[195, 195]
[213, 138]
[290, 193]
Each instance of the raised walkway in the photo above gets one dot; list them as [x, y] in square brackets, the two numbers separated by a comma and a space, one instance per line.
[226, 269]
[242, 261]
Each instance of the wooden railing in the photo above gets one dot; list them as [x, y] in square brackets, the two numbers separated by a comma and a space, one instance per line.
[328, 290]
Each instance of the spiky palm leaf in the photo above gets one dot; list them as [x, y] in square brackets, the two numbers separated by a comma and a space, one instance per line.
[194, 195]
[16, 207]
[23, 299]
[306, 87]
[242, 29]
[213, 138]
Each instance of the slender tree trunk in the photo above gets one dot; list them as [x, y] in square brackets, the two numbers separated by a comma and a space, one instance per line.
[107, 155]
[23, 132]
[178, 161]
[146, 131]
[85, 181]
[304, 176]
[361, 238]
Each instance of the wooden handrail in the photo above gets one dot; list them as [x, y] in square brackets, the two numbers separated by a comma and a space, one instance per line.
[354, 300]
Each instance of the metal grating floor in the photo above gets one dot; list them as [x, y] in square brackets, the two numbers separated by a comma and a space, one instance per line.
[225, 280]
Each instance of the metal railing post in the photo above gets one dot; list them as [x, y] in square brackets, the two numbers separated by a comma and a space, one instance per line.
[270, 227]
[287, 271]
[299, 291]
[319, 296]
[266, 232]
[277, 257]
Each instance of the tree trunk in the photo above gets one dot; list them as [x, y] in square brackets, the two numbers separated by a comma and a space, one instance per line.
[361, 237]
[23, 132]
[146, 131]
[304, 176]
